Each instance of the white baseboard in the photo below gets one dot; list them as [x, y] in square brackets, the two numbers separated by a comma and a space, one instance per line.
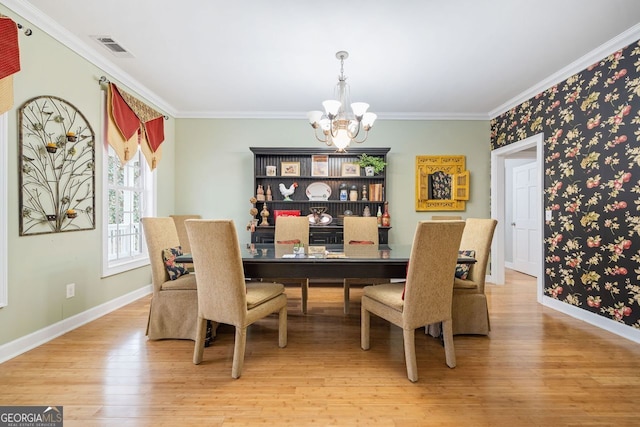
[593, 319]
[508, 264]
[33, 340]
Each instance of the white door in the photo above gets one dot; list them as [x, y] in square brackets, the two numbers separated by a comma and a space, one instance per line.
[525, 219]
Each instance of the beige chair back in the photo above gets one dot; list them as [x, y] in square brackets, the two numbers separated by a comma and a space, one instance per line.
[292, 228]
[478, 234]
[426, 296]
[360, 229]
[223, 294]
[182, 230]
[159, 233]
[429, 287]
[218, 261]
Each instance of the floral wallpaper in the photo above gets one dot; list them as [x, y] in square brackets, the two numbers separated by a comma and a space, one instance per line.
[440, 186]
[591, 128]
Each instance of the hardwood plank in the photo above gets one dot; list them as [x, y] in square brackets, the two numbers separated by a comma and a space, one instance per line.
[537, 367]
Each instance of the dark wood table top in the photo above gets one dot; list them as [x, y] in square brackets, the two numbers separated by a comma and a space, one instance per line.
[335, 261]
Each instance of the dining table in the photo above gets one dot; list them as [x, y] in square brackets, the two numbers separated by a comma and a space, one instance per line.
[335, 261]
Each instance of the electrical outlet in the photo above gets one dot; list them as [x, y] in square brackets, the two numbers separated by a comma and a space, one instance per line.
[71, 290]
[547, 215]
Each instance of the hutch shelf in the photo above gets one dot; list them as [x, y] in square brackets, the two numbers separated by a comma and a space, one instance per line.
[307, 166]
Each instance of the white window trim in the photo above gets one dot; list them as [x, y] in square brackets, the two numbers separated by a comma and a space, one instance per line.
[112, 268]
[4, 236]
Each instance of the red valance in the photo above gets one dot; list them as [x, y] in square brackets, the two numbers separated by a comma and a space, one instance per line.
[10, 58]
[9, 61]
[131, 122]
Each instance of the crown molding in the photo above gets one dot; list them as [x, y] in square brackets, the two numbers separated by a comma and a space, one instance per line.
[297, 115]
[624, 39]
[52, 28]
[43, 22]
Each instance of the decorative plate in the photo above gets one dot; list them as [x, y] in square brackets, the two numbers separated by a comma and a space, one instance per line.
[318, 191]
[325, 219]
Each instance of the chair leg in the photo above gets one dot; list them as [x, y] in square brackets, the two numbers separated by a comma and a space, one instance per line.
[238, 352]
[305, 289]
[365, 322]
[282, 327]
[214, 328]
[449, 350]
[410, 354]
[434, 329]
[201, 335]
[346, 296]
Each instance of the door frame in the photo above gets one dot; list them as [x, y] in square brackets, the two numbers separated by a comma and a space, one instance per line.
[498, 157]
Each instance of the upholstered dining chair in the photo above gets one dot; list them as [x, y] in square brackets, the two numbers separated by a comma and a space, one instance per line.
[425, 297]
[359, 231]
[174, 303]
[182, 233]
[224, 296]
[470, 310]
[182, 230]
[290, 229]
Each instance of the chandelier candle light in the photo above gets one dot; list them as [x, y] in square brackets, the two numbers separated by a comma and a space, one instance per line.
[337, 128]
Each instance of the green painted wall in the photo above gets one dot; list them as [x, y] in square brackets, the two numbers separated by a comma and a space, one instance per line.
[206, 168]
[40, 266]
[213, 157]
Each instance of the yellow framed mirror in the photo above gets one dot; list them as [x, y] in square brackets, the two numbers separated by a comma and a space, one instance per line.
[442, 183]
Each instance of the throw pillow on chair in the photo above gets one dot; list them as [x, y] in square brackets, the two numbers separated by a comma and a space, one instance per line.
[174, 269]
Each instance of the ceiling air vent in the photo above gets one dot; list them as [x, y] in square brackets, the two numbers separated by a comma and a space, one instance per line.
[113, 46]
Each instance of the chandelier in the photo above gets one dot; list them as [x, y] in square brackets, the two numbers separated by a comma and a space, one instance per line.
[338, 128]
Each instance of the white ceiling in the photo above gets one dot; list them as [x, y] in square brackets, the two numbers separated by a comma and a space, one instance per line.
[408, 58]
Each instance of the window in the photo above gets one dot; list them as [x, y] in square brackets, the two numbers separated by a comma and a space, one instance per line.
[4, 176]
[129, 195]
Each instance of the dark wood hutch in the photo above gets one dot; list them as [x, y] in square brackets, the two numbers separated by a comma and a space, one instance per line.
[301, 158]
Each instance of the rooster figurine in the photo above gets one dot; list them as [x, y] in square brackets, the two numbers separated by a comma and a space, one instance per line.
[286, 192]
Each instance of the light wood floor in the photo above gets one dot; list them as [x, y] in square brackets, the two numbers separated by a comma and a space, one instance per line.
[537, 368]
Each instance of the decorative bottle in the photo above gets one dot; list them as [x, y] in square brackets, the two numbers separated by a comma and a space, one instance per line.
[343, 192]
[269, 194]
[260, 193]
[379, 217]
[386, 218]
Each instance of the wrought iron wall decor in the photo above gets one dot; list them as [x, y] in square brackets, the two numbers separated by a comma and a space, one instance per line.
[57, 167]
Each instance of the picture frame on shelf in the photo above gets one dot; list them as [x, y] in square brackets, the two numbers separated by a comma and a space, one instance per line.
[290, 168]
[349, 169]
[271, 171]
[320, 165]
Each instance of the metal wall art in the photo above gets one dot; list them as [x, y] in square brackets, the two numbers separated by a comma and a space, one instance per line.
[57, 168]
